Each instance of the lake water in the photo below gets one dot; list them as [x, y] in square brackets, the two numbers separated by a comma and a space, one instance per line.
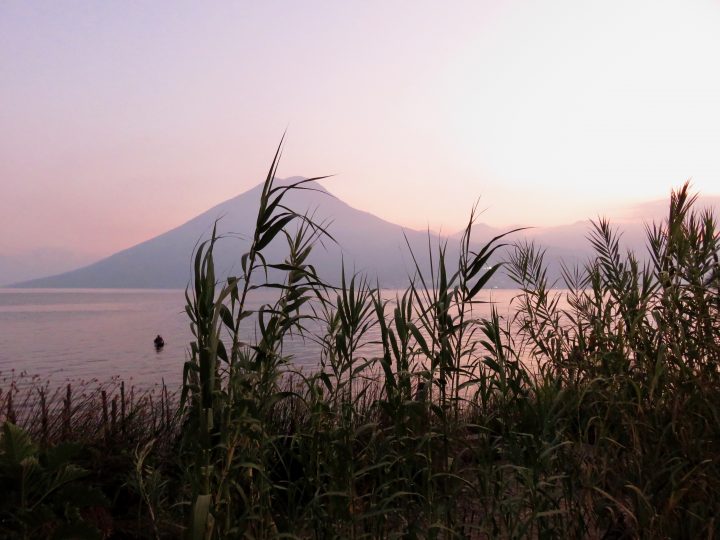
[82, 334]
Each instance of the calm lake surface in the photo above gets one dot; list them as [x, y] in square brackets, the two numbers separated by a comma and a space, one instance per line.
[82, 334]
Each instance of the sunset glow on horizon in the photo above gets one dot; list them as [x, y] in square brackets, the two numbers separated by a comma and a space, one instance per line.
[122, 120]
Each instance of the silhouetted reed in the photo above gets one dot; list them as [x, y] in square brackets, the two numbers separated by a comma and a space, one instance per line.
[90, 412]
[592, 411]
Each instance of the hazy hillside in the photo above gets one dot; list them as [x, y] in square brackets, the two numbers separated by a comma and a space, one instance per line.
[365, 242]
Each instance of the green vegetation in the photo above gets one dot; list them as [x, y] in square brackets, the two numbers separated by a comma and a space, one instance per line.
[594, 411]
[71, 471]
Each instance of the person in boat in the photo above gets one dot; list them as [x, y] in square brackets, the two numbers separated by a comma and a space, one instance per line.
[159, 342]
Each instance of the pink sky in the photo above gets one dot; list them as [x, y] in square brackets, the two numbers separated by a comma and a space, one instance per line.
[122, 120]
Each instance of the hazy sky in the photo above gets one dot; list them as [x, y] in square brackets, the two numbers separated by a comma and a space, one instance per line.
[123, 119]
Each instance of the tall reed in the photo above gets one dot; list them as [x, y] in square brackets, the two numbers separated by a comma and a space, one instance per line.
[229, 390]
[591, 411]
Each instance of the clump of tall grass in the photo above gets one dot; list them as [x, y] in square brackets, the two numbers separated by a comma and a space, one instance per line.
[592, 420]
[589, 412]
[635, 357]
[87, 411]
[231, 387]
[371, 445]
[70, 456]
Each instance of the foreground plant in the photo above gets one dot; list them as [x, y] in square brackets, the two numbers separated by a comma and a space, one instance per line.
[42, 491]
[591, 411]
[230, 386]
[634, 348]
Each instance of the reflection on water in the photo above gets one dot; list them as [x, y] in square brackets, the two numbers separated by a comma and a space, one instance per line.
[61, 334]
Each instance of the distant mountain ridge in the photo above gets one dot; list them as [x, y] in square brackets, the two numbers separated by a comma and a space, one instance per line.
[365, 243]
